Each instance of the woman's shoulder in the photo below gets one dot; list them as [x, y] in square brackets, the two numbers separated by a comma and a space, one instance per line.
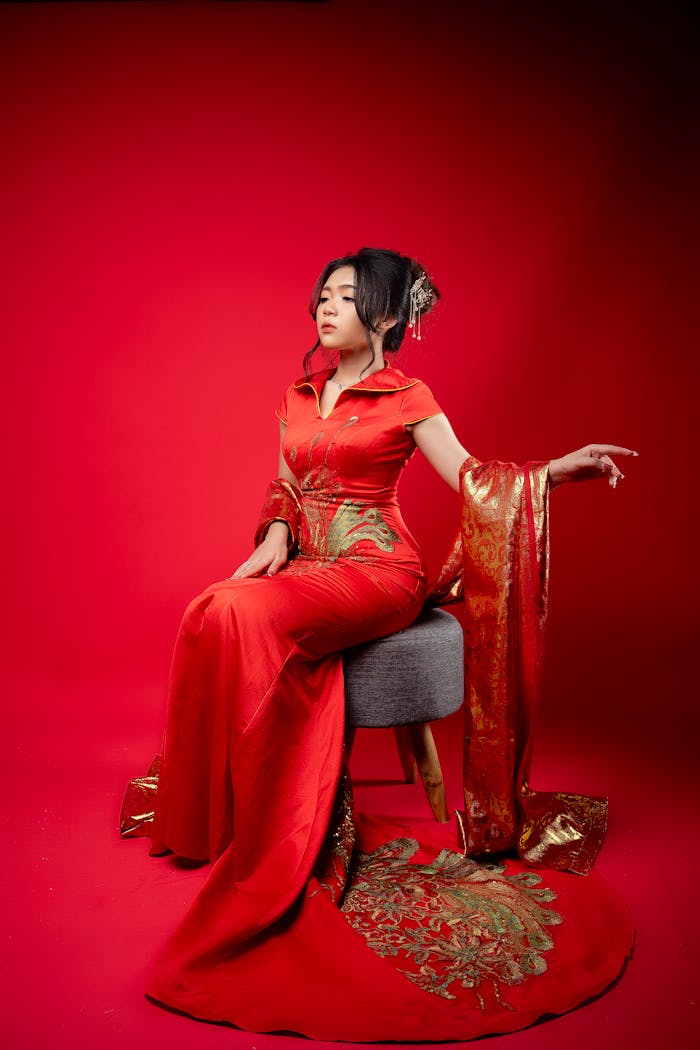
[402, 379]
[418, 402]
[413, 385]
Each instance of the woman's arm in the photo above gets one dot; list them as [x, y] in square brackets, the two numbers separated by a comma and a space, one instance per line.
[438, 442]
[283, 470]
[270, 555]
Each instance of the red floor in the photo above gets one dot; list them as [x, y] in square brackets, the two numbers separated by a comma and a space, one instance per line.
[84, 910]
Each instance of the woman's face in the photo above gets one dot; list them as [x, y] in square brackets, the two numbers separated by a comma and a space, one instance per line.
[339, 327]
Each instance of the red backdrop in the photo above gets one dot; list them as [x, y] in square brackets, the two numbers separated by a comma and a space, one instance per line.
[175, 176]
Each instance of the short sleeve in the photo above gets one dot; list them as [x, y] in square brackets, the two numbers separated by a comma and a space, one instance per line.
[282, 410]
[418, 403]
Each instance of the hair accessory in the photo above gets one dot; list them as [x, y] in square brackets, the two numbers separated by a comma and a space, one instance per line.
[419, 297]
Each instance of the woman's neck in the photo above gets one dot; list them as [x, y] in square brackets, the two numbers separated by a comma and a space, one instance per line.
[354, 365]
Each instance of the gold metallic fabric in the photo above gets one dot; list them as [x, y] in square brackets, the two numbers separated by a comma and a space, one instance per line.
[504, 540]
[282, 503]
[139, 803]
[452, 923]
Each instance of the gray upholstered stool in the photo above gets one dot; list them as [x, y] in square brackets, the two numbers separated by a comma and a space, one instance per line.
[406, 681]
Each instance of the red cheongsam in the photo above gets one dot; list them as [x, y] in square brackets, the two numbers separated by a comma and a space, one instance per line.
[251, 771]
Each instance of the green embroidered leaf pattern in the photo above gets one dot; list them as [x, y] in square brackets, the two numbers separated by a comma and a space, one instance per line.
[452, 922]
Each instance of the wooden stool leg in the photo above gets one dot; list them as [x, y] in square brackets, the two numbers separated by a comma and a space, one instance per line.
[424, 749]
[406, 754]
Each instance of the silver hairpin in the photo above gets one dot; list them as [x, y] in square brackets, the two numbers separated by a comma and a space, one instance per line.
[419, 297]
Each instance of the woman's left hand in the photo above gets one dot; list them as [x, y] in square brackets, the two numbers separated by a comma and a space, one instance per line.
[588, 463]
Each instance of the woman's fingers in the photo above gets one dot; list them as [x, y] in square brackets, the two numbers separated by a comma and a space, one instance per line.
[242, 572]
[277, 562]
[599, 451]
[262, 560]
[589, 462]
[252, 566]
[602, 454]
[612, 470]
[593, 466]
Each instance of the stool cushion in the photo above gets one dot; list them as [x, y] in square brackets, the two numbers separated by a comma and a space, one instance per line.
[415, 675]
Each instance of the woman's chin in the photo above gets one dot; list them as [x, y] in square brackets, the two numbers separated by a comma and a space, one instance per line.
[332, 341]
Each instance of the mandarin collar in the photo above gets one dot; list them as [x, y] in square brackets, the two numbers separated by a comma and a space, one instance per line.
[385, 380]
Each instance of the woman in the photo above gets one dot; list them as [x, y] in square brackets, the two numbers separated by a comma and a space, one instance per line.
[253, 742]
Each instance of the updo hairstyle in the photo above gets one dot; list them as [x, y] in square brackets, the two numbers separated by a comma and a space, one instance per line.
[383, 281]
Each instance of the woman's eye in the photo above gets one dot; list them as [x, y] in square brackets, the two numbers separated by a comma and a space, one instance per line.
[348, 299]
[323, 299]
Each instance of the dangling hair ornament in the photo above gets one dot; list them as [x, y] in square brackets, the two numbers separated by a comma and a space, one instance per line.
[419, 297]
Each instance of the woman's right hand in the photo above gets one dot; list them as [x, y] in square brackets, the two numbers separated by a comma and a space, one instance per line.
[269, 557]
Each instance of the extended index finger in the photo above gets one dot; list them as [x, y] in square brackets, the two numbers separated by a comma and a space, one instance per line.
[613, 450]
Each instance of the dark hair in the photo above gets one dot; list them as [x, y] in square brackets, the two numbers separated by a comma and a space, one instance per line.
[383, 282]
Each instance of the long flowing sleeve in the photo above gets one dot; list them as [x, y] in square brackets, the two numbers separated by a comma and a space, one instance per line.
[499, 566]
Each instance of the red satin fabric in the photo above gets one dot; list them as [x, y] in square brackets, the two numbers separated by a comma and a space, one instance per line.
[252, 757]
[255, 719]
[256, 671]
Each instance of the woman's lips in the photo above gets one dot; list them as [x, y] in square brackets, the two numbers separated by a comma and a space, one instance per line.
[328, 328]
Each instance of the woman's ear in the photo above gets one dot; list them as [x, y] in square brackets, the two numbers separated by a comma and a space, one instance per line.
[387, 324]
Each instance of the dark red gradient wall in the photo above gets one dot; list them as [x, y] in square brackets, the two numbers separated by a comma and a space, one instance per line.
[174, 177]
